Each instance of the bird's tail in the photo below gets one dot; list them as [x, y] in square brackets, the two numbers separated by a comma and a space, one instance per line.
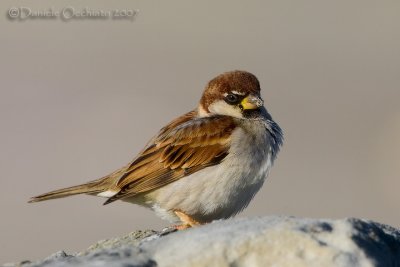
[92, 188]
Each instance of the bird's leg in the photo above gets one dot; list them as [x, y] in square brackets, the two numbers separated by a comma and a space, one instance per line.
[186, 220]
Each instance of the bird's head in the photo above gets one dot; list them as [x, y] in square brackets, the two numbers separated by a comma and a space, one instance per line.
[235, 93]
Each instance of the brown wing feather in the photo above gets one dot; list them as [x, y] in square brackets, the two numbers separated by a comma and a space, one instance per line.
[185, 146]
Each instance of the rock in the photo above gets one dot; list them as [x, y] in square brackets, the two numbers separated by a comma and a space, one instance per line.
[266, 241]
[131, 239]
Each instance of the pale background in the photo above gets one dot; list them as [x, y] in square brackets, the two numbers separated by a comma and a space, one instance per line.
[79, 99]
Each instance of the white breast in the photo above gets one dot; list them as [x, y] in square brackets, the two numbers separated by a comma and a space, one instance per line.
[219, 191]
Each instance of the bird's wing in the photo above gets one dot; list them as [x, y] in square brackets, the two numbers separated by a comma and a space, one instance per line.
[183, 147]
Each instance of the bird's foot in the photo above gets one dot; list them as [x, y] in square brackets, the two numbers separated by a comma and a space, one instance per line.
[181, 226]
[187, 221]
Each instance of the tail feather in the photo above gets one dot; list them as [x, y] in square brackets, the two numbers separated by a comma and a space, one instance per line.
[88, 188]
[92, 188]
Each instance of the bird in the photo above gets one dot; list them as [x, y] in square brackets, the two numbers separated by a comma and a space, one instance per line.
[205, 165]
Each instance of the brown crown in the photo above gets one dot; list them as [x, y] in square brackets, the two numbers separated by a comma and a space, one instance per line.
[239, 81]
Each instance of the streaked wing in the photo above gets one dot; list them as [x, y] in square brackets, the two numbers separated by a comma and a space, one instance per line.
[183, 147]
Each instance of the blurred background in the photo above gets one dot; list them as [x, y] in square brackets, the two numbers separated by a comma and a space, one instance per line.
[79, 98]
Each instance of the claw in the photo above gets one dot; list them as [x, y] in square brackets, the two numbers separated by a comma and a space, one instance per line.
[187, 221]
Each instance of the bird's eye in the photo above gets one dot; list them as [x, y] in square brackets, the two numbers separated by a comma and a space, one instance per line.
[232, 99]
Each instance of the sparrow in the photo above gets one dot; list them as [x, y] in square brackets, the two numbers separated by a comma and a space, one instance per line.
[205, 165]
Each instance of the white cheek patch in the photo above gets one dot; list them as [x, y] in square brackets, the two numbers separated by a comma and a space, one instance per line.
[222, 108]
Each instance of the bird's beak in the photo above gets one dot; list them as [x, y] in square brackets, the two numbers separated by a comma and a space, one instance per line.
[251, 102]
